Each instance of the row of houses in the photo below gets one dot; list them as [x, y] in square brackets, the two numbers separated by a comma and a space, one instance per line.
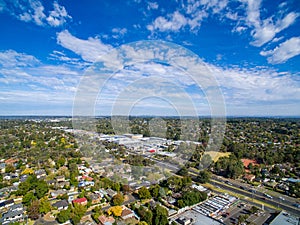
[14, 213]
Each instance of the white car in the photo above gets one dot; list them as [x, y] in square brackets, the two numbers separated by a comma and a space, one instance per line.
[281, 198]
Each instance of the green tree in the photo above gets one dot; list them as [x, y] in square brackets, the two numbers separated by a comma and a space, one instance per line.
[154, 190]
[192, 197]
[118, 199]
[77, 212]
[60, 162]
[144, 193]
[28, 198]
[203, 177]
[24, 188]
[63, 216]
[180, 203]
[44, 206]
[145, 214]
[160, 216]
[183, 171]
[41, 189]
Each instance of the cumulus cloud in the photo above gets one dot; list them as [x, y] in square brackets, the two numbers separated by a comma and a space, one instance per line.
[89, 49]
[284, 51]
[58, 16]
[248, 16]
[189, 15]
[173, 22]
[34, 11]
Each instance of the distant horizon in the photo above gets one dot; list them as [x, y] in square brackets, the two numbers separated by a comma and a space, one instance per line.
[148, 116]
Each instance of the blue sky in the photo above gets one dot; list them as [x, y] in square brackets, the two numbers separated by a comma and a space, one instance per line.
[251, 47]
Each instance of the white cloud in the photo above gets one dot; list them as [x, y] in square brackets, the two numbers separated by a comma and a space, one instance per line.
[62, 58]
[189, 14]
[33, 11]
[264, 30]
[89, 49]
[152, 5]
[11, 58]
[241, 87]
[58, 16]
[19, 70]
[284, 51]
[173, 22]
[118, 32]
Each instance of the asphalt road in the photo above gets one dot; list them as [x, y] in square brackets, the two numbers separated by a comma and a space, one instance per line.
[243, 189]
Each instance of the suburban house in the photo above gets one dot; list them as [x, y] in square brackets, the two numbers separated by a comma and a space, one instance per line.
[81, 201]
[111, 193]
[249, 177]
[14, 214]
[127, 213]
[56, 193]
[61, 205]
[60, 178]
[7, 203]
[95, 198]
[40, 173]
[106, 220]
[51, 182]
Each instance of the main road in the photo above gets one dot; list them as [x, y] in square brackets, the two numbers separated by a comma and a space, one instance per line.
[286, 203]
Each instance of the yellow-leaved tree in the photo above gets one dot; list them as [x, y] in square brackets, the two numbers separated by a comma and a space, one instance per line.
[115, 210]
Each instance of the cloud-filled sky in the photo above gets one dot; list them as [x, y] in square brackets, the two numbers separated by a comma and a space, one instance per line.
[251, 47]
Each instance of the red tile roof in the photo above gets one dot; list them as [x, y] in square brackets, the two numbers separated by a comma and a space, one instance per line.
[87, 178]
[80, 200]
[246, 162]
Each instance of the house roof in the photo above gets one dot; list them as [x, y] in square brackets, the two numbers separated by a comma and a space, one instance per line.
[60, 177]
[6, 203]
[249, 176]
[111, 192]
[80, 200]
[246, 162]
[11, 161]
[16, 207]
[126, 212]
[103, 219]
[62, 203]
[87, 178]
[51, 181]
[94, 196]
